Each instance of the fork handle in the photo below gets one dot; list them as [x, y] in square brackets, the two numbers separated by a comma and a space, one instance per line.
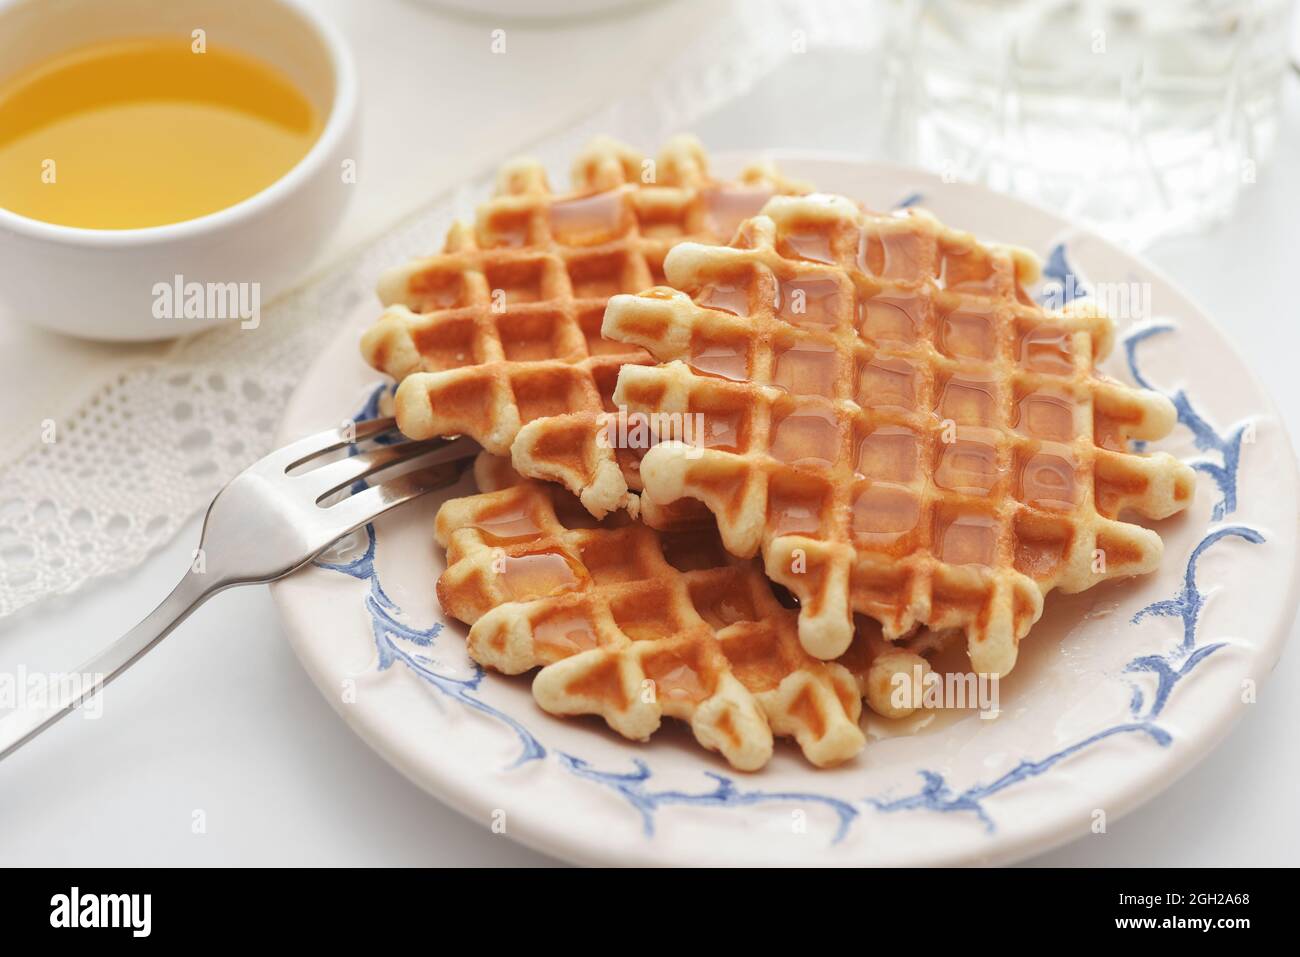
[24, 723]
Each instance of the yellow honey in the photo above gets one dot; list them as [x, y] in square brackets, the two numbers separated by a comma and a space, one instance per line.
[146, 131]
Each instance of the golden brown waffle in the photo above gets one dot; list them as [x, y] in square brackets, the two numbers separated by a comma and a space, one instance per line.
[876, 663]
[631, 624]
[503, 328]
[896, 424]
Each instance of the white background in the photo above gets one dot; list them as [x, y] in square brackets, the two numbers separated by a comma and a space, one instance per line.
[220, 719]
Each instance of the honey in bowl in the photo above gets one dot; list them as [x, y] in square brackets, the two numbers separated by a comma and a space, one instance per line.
[144, 132]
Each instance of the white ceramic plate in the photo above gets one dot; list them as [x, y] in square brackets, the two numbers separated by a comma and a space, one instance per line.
[1117, 692]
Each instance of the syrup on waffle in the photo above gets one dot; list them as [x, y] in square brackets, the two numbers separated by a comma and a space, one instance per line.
[503, 328]
[896, 424]
[631, 624]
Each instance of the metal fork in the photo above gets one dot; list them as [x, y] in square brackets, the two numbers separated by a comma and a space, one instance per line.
[264, 524]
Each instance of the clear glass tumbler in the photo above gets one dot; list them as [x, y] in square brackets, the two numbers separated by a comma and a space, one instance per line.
[1139, 118]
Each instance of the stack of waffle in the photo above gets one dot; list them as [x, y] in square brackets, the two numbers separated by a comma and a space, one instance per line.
[746, 485]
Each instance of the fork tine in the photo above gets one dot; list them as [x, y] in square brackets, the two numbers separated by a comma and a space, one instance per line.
[305, 449]
[370, 427]
[336, 475]
[357, 510]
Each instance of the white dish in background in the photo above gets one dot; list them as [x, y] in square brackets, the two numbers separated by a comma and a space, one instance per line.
[526, 10]
[1118, 690]
[98, 283]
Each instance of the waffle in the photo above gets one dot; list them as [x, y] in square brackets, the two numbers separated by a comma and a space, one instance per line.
[896, 424]
[503, 328]
[632, 624]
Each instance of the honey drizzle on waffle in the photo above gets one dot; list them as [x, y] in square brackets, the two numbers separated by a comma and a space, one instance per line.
[603, 607]
[503, 328]
[918, 441]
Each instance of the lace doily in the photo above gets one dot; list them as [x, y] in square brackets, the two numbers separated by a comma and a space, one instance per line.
[146, 452]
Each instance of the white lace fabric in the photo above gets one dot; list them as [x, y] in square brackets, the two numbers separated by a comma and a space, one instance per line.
[145, 452]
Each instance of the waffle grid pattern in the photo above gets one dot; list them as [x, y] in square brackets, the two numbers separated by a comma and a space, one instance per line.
[503, 328]
[631, 624]
[895, 423]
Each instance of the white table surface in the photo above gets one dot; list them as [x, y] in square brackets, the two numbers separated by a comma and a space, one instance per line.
[220, 719]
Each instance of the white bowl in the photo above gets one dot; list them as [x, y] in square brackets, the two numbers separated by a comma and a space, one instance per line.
[100, 283]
